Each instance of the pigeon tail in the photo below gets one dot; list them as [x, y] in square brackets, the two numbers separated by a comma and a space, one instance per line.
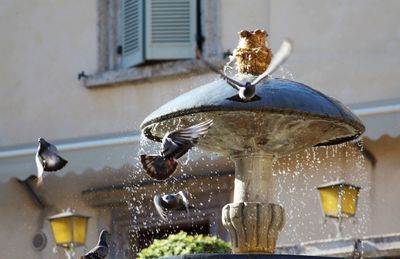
[158, 167]
[59, 165]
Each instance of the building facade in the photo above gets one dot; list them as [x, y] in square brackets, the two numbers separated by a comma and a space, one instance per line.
[85, 74]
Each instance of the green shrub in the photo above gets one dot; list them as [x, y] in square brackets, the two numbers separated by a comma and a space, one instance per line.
[182, 243]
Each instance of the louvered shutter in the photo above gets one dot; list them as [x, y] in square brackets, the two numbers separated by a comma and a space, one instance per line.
[132, 32]
[170, 29]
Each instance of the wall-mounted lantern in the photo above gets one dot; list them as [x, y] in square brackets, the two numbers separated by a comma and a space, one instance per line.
[339, 200]
[69, 230]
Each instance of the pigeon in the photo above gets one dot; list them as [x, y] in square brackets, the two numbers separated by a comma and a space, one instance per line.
[247, 90]
[174, 145]
[168, 202]
[100, 251]
[47, 159]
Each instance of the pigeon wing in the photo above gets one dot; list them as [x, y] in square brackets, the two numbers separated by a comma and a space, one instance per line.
[278, 59]
[184, 200]
[53, 162]
[40, 169]
[160, 210]
[235, 84]
[232, 82]
[158, 168]
[98, 252]
[178, 142]
[52, 148]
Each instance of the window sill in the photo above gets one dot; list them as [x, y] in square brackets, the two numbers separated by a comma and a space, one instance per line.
[150, 72]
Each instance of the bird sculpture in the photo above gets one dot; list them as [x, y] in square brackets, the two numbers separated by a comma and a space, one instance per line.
[47, 159]
[174, 145]
[171, 202]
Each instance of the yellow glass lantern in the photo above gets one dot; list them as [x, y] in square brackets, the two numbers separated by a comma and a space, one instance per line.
[69, 229]
[339, 199]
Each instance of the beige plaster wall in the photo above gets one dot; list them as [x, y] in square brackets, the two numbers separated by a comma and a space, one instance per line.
[347, 49]
[237, 15]
[20, 218]
[385, 181]
[48, 44]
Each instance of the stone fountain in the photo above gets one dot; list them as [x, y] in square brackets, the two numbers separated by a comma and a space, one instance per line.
[286, 117]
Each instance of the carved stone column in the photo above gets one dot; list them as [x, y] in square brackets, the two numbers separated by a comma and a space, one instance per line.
[252, 220]
[253, 226]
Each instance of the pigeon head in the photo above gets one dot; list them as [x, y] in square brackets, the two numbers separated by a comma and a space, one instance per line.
[247, 92]
[42, 143]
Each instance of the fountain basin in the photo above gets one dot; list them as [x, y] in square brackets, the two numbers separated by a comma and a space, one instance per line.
[286, 117]
[242, 256]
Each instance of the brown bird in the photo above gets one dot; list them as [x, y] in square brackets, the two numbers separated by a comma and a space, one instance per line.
[174, 145]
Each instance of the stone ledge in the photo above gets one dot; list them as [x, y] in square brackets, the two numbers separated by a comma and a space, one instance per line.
[387, 245]
[148, 72]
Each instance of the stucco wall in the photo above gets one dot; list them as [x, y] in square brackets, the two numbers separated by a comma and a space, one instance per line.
[20, 218]
[346, 49]
[385, 181]
[48, 44]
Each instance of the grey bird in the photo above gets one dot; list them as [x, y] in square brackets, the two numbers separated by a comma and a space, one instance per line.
[47, 159]
[247, 90]
[171, 202]
[174, 145]
[100, 251]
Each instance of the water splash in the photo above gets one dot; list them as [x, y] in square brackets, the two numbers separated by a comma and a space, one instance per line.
[145, 224]
[284, 73]
[296, 178]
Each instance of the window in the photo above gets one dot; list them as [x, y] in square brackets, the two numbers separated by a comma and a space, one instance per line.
[157, 30]
[142, 32]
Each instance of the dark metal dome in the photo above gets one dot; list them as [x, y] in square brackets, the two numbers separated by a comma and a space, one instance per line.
[284, 117]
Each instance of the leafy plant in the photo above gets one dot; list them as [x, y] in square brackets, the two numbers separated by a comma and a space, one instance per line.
[182, 243]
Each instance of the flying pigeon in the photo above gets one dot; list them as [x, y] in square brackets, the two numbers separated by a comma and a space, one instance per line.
[168, 202]
[100, 251]
[47, 159]
[174, 145]
[247, 90]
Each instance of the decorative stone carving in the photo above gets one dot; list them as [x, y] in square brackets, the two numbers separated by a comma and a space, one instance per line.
[253, 226]
[252, 56]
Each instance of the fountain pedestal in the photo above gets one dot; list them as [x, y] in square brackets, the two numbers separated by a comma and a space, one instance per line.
[253, 226]
[287, 117]
[252, 220]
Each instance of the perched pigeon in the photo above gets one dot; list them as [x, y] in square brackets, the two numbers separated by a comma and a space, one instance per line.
[174, 145]
[247, 90]
[100, 251]
[47, 159]
[168, 202]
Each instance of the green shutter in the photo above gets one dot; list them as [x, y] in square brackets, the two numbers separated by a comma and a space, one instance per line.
[170, 29]
[132, 32]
